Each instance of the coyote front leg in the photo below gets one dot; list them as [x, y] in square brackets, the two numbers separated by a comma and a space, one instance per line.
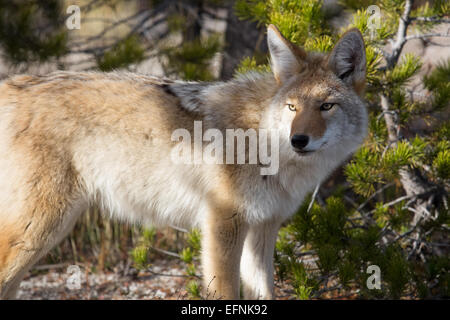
[223, 239]
[257, 260]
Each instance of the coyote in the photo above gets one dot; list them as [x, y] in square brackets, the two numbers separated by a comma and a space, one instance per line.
[69, 140]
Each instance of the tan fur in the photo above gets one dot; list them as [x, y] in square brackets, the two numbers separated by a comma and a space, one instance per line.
[68, 140]
[300, 54]
[308, 122]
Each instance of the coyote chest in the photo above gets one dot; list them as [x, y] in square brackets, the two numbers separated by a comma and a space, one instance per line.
[182, 195]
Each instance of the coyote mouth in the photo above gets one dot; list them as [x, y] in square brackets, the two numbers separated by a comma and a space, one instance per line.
[303, 152]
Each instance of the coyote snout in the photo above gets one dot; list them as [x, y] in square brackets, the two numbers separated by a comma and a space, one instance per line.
[69, 140]
[299, 141]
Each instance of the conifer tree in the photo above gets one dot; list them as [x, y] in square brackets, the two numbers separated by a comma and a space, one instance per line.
[35, 32]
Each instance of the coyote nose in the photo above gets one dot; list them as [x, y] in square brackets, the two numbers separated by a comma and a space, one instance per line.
[299, 141]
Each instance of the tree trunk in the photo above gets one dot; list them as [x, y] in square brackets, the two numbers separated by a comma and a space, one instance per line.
[242, 39]
[411, 181]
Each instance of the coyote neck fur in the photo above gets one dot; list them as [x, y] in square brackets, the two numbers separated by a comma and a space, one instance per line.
[226, 105]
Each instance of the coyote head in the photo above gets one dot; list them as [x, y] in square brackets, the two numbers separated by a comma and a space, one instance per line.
[318, 104]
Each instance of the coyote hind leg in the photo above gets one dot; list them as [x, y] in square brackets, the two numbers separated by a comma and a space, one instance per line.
[23, 244]
[18, 251]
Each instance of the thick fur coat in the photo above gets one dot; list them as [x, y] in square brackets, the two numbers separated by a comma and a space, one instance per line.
[69, 140]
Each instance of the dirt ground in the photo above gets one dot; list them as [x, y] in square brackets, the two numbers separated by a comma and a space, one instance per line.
[164, 279]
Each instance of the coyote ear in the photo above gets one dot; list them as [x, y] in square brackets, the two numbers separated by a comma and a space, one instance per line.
[283, 55]
[348, 60]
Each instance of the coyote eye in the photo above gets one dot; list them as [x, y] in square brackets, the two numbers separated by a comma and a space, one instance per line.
[326, 106]
[291, 107]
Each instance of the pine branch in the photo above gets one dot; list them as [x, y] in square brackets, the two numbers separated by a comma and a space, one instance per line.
[411, 181]
[137, 22]
[428, 35]
[362, 205]
[430, 19]
[400, 41]
[169, 253]
[390, 119]
[412, 197]
[401, 36]
[313, 197]
[179, 229]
